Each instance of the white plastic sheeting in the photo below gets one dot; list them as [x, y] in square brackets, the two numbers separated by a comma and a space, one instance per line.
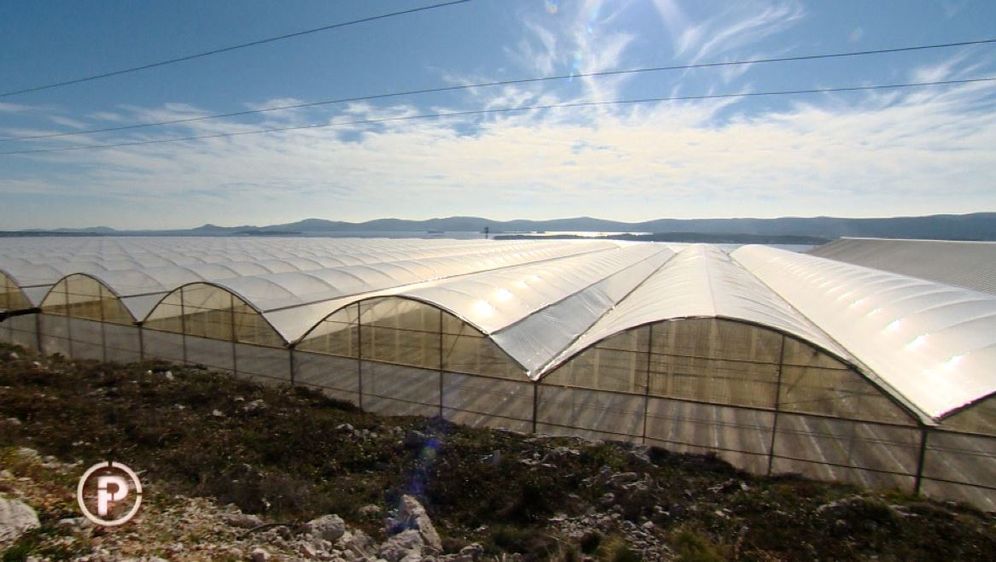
[151, 264]
[275, 283]
[933, 344]
[280, 296]
[703, 281]
[966, 264]
[930, 344]
[533, 311]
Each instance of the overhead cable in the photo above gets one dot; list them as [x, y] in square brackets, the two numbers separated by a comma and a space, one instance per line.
[226, 49]
[514, 82]
[442, 115]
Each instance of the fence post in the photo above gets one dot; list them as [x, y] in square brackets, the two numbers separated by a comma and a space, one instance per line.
[290, 357]
[359, 356]
[646, 383]
[920, 461]
[535, 404]
[778, 403]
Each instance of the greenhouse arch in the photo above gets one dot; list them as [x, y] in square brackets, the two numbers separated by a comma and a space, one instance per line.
[759, 397]
[83, 318]
[405, 356]
[775, 361]
[11, 295]
[208, 324]
[17, 324]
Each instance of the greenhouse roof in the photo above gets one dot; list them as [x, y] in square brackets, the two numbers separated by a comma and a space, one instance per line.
[965, 264]
[934, 344]
[929, 344]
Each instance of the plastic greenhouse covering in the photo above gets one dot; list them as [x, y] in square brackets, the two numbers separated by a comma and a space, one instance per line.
[773, 360]
[964, 264]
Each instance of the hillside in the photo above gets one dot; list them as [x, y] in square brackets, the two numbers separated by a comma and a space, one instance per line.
[237, 471]
[976, 226]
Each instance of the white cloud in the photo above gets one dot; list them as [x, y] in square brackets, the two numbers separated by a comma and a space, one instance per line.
[68, 122]
[7, 107]
[919, 152]
[741, 26]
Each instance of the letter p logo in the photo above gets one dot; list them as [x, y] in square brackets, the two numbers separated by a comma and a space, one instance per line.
[104, 496]
[109, 494]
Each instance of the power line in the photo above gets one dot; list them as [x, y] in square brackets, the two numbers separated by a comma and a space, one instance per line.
[227, 49]
[504, 110]
[520, 81]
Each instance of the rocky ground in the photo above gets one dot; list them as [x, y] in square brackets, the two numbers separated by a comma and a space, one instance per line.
[236, 471]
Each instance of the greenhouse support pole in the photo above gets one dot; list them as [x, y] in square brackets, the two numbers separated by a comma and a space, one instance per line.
[103, 331]
[646, 384]
[69, 320]
[778, 405]
[141, 341]
[920, 461]
[359, 357]
[183, 327]
[535, 403]
[290, 358]
[440, 363]
[231, 319]
[38, 332]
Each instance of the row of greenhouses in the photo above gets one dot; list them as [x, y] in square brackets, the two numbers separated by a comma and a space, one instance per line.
[776, 361]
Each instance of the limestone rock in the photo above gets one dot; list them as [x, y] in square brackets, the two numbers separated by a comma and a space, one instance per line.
[16, 517]
[413, 515]
[328, 527]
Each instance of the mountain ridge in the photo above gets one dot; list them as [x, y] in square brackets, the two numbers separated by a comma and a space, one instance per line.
[972, 226]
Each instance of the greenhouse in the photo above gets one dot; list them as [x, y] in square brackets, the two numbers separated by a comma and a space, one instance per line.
[964, 264]
[775, 361]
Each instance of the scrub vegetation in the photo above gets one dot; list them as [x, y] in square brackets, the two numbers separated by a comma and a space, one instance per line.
[291, 454]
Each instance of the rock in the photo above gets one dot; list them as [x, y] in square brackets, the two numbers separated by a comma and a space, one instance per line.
[13, 421]
[328, 527]
[28, 454]
[16, 517]
[243, 520]
[470, 553]
[356, 541]
[729, 486]
[623, 478]
[169, 375]
[345, 428]
[259, 555]
[370, 510]
[413, 515]
[307, 550]
[74, 522]
[402, 545]
[14, 355]
[255, 405]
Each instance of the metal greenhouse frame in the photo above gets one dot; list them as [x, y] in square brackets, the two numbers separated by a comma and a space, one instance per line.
[775, 361]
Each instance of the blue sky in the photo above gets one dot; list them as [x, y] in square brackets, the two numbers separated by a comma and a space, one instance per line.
[884, 153]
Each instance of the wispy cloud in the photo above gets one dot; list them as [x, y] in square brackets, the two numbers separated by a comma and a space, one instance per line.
[837, 155]
[7, 107]
[739, 25]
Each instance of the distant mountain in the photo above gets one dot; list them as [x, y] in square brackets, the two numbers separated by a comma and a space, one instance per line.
[976, 226]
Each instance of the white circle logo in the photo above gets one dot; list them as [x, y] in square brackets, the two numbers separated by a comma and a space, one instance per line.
[105, 488]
